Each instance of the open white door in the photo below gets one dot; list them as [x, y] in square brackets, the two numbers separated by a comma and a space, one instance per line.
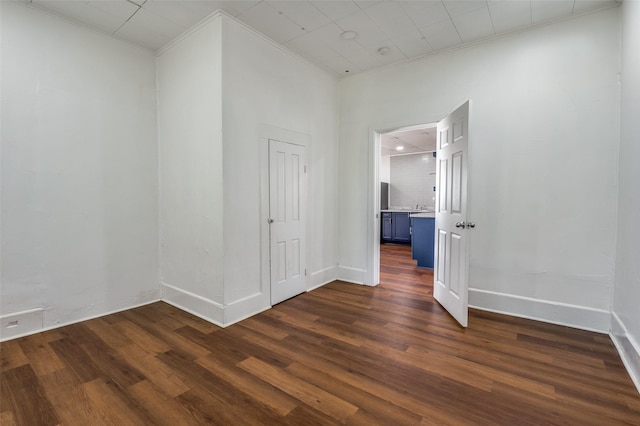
[451, 271]
[287, 219]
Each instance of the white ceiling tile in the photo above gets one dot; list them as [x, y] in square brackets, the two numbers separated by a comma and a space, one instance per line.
[269, 22]
[459, 7]
[319, 52]
[510, 15]
[336, 9]
[370, 58]
[413, 44]
[329, 38]
[368, 32]
[121, 9]
[310, 48]
[391, 18]
[425, 13]
[384, 11]
[302, 13]
[582, 5]
[348, 49]
[85, 14]
[326, 45]
[365, 61]
[474, 25]
[149, 29]
[160, 25]
[206, 8]
[232, 7]
[341, 66]
[441, 35]
[363, 4]
[393, 55]
[327, 34]
[544, 10]
[151, 40]
[419, 140]
[178, 13]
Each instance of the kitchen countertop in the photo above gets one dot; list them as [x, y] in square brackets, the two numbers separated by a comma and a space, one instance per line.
[405, 211]
[428, 215]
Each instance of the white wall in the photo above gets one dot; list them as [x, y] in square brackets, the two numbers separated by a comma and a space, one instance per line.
[223, 91]
[268, 93]
[384, 168]
[190, 139]
[544, 114]
[626, 310]
[79, 173]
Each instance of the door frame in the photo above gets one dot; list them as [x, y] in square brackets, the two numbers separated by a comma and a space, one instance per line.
[372, 274]
[268, 132]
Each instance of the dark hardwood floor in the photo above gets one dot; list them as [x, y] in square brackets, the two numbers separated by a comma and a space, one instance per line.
[343, 353]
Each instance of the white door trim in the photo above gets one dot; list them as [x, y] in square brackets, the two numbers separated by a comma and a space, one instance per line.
[372, 274]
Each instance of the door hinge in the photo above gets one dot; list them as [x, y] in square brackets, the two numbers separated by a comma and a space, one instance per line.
[305, 272]
[305, 169]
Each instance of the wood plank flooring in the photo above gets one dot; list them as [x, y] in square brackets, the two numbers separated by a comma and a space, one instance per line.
[342, 354]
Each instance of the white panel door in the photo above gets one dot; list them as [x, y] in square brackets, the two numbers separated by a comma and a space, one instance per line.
[287, 219]
[451, 266]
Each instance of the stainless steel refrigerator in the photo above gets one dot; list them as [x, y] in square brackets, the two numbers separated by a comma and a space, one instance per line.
[384, 196]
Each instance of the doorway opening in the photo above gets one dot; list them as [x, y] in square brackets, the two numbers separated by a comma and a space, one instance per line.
[450, 240]
[407, 174]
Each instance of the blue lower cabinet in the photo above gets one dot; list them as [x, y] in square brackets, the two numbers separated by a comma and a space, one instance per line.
[396, 228]
[423, 230]
[387, 221]
[401, 228]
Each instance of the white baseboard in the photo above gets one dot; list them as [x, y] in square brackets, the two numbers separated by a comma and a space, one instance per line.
[34, 321]
[542, 310]
[627, 347]
[322, 277]
[351, 275]
[244, 308]
[199, 306]
[21, 323]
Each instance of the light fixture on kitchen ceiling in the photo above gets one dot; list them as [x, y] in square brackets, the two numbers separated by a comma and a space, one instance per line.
[399, 148]
[384, 50]
[349, 35]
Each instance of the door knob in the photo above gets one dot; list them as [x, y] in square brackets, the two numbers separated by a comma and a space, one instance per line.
[471, 225]
[460, 224]
[269, 220]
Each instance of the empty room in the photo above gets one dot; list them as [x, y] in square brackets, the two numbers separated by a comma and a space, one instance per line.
[193, 231]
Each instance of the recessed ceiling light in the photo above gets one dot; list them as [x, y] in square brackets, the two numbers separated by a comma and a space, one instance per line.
[384, 50]
[349, 35]
[399, 148]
